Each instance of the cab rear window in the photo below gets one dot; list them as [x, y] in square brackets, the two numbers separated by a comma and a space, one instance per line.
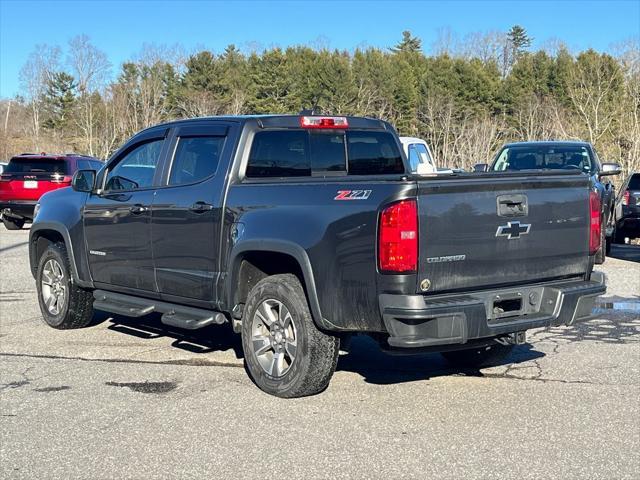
[634, 182]
[36, 165]
[303, 153]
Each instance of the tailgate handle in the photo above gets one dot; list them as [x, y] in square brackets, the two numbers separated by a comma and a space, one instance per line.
[513, 205]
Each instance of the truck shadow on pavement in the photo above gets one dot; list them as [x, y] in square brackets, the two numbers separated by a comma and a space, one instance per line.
[210, 339]
[617, 322]
[375, 366]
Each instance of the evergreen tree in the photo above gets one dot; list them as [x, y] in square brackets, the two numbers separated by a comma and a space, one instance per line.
[409, 44]
[518, 40]
[59, 99]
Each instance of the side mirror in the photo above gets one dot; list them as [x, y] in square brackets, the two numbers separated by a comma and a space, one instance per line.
[610, 169]
[84, 181]
[481, 167]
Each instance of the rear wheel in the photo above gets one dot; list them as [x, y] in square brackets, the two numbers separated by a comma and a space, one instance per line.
[62, 303]
[285, 353]
[12, 224]
[479, 357]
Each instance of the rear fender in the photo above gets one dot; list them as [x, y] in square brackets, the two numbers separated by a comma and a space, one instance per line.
[241, 249]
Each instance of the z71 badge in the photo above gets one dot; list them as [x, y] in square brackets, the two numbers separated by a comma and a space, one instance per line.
[352, 195]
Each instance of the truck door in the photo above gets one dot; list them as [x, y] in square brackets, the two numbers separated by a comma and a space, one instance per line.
[187, 212]
[117, 221]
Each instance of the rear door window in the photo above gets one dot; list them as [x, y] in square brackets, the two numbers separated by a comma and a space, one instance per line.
[296, 153]
[36, 165]
[634, 182]
[195, 159]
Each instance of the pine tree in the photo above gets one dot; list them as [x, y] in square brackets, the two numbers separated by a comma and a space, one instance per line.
[517, 43]
[59, 99]
[409, 44]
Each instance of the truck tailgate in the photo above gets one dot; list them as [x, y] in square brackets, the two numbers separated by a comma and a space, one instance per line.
[481, 231]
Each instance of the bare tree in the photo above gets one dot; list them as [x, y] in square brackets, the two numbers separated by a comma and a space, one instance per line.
[35, 74]
[594, 85]
[91, 69]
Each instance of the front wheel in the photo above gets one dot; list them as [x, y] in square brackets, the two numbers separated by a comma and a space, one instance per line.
[62, 303]
[285, 353]
[479, 357]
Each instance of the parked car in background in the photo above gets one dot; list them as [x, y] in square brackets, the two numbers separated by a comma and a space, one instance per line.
[3, 165]
[28, 176]
[419, 155]
[627, 210]
[564, 155]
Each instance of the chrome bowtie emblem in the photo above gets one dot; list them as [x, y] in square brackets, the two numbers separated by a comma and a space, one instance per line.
[513, 230]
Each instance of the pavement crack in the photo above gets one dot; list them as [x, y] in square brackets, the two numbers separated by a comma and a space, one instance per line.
[194, 362]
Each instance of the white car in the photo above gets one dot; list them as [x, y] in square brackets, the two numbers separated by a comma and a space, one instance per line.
[419, 155]
[2, 166]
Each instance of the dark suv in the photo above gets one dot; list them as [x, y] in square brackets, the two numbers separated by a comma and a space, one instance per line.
[627, 216]
[28, 176]
[571, 156]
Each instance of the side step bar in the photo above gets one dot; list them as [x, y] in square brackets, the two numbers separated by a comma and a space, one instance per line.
[174, 315]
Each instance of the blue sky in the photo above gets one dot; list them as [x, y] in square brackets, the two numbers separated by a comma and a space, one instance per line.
[120, 28]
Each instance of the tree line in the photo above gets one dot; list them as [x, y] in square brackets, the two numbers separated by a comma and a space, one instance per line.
[465, 99]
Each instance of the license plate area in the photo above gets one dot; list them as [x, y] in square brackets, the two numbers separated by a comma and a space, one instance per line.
[30, 184]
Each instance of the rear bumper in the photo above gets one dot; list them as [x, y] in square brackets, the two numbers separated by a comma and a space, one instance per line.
[22, 209]
[415, 321]
[629, 225]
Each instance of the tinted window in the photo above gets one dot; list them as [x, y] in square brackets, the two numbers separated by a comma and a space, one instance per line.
[373, 153]
[328, 153]
[546, 157]
[294, 153]
[196, 158]
[280, 153]
[97, 165]
[136, 169]
[36, 165]
[634, 183]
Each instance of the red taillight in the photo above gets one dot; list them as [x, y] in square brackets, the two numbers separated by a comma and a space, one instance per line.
[61, 179]
[595, 228]
[324, 122]
[398, 238]
[625, 197]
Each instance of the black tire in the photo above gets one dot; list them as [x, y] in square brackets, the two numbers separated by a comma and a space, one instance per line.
[12, 224]
[479, 357]
[76, 310]
[618, 237]
[316, 354]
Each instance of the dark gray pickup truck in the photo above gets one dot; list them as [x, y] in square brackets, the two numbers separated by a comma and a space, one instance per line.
[300, 231]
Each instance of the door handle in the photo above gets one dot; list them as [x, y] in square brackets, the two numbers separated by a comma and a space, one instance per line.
[137, 209]
[514, 205]
[201, 207]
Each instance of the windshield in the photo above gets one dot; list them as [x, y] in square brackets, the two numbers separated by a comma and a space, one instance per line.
[545, 157]
[36, 165]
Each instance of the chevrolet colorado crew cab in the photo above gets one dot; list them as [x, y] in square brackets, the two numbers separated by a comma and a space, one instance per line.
[301, 230]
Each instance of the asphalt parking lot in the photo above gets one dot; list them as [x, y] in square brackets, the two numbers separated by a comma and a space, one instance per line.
[134, 399]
